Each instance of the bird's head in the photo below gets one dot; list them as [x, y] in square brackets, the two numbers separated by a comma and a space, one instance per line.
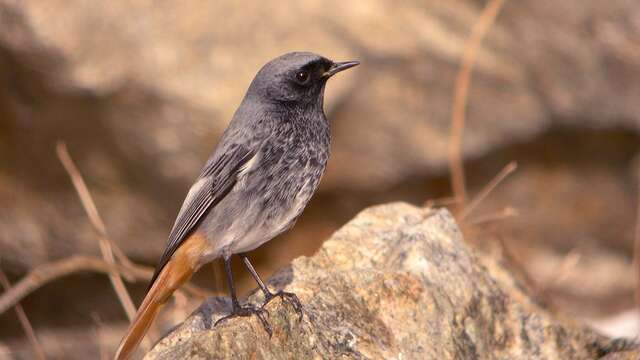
[295, 78]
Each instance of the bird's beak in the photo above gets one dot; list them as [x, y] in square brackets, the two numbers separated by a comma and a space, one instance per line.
[339, 66]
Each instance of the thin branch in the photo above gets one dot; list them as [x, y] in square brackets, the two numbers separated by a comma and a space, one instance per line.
[504, 214]
[516, 266]
[562, 271]
[463, 79]
[503, 174]
[97, 328]
[636, 250]
[106, 245]
[139, 272]
[24, 321]
[50, 271]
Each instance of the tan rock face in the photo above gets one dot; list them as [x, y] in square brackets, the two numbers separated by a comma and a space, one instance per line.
[397, 282]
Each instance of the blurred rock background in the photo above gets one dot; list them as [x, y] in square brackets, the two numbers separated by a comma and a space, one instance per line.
[141, 90]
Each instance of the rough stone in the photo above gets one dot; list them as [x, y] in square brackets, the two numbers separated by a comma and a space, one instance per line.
[397, 282]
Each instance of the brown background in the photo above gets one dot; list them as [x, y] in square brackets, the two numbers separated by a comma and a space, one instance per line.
[141, 91]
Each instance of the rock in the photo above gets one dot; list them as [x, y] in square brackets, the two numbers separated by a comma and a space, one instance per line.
[623, 355]
[397, 282]
[624, 324]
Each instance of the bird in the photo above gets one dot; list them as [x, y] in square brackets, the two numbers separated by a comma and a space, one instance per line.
[254, 186]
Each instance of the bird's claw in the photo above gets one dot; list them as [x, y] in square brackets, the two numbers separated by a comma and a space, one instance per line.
[290, 298]
[245, 311]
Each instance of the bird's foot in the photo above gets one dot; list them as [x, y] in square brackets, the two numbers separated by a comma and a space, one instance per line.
[290, 298]
[249, 310]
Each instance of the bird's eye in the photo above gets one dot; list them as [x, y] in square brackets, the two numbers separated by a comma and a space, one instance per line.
[302, 77]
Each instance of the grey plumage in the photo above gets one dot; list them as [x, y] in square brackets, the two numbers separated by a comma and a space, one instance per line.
[254, 186]
[267, 164]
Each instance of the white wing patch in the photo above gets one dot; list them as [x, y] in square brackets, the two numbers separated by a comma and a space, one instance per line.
[249, 165]
[192, 192]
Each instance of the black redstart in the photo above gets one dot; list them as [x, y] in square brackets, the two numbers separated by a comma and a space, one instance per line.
[254, 186]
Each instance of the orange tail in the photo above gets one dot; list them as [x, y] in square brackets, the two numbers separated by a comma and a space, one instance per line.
[178, 270]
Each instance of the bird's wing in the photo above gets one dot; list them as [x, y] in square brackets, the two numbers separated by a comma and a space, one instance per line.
[216, 180]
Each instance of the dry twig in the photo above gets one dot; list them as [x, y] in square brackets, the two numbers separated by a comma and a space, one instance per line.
[636, 250]
[97, 328]
[503, 214]
[106, 245]
[561, 273]
[463, 78]
[506, 171]
[516, 266]
[50, 271]
[24, 321]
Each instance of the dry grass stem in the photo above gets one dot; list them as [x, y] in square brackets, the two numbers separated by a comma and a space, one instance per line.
[24, 321]
[562, 271]
[636, 251]
[98, 326]
[461, 89]
[503, 174]
[516, 266]
[506, 213]
[45, 273]
[106, 245]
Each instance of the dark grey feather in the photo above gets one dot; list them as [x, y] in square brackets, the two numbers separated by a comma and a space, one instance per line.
[219, 175]
[267, 164]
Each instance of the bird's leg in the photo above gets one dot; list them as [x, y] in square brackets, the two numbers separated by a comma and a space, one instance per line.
[239, 310]
[291, 298]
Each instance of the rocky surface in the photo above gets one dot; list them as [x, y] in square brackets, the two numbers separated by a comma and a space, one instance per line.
[397, 282]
